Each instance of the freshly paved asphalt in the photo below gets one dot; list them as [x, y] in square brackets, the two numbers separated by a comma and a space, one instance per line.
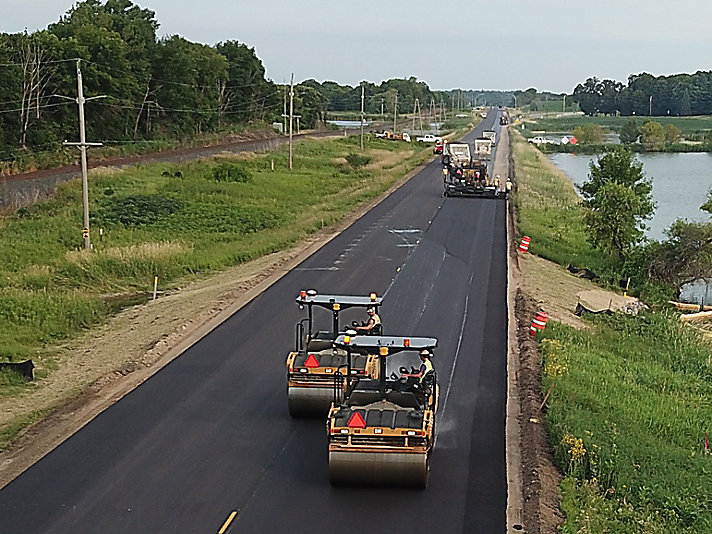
[210, 433]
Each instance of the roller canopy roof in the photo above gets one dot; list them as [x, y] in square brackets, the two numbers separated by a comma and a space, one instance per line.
[374, 344]
[346, 301]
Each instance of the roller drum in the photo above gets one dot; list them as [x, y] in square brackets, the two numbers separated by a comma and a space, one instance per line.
[309, 402]
[379, 468]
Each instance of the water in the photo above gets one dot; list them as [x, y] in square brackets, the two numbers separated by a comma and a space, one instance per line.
[681, 182]
[349, 124]
[697, 292]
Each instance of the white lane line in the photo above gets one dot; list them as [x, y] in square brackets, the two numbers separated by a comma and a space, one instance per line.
[457, 350]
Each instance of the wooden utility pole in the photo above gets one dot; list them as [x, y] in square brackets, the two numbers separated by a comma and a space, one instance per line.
[291, 117]
[362, 100]
[395, 112]
[82, 144]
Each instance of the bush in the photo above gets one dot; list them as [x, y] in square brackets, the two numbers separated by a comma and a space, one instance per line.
[228, 171]
[358, 160]
[137, 210]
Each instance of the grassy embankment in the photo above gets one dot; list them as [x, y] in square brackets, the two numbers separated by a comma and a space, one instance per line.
[174, 221]
[632, 398]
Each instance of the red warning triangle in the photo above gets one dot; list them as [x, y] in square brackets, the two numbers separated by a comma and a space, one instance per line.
[311, 361]
[356, 421]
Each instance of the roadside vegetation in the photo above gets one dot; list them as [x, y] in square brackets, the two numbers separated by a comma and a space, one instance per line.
[629, 401]
[640, 134]
[177, 222]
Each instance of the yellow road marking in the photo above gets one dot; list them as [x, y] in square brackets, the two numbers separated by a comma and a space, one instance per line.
[227, 522]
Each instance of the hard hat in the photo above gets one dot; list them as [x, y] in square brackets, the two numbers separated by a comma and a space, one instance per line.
[425, 353]
[371, 308]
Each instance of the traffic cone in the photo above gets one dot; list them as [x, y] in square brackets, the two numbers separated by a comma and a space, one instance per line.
[539, 322]
[524, 246]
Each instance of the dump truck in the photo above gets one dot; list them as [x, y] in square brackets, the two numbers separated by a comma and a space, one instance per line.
[483, 148]
[383, 432]
[315, 362]
[490, 134]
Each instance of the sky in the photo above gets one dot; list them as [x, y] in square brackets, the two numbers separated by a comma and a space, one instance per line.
[466, 44]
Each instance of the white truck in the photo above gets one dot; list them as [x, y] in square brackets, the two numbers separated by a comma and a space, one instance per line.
[490, 134]
[483, 147]
[429, 138]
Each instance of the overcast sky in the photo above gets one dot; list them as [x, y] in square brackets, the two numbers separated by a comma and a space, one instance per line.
[468, 44]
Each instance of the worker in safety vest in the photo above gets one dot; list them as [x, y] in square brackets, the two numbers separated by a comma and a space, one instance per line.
[426, 366]
[373, 325]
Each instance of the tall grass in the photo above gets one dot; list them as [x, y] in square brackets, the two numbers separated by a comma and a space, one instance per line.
[155, 220]
[549, 209]
[627, 420]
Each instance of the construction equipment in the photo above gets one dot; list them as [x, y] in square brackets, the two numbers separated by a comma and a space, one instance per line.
[392, 136]
[465, 175]
[383, 432]
[315, 361]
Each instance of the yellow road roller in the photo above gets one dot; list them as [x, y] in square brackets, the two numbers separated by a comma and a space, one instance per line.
[383, 432]
[316, 369]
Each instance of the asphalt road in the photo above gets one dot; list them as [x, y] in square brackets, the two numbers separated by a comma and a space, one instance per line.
[210, 433]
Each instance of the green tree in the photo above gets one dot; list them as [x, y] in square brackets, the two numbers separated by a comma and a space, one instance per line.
[707, 206]
[589, 134]
[652, 135]
[629, 132]
[685, 255]
[619, 200]
[672, 133]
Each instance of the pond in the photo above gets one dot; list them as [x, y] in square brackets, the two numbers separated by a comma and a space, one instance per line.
[681, 182]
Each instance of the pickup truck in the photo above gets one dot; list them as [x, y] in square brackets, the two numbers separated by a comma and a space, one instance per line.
[539, 140]
[429, 138]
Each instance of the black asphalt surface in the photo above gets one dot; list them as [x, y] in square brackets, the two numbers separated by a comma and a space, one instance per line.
[210, 433]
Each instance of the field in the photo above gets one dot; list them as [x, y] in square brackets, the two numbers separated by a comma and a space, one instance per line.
[174, 222]
[689, 126]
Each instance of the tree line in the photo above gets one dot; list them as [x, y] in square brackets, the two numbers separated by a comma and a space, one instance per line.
[645, 94]
[158, 88]
[154, 88]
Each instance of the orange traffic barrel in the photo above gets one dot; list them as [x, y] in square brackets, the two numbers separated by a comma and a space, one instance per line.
[539, 322]
[524, 245]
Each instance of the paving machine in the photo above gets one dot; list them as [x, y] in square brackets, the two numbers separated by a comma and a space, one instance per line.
[383, 430]
[316, 361]
[465, 174]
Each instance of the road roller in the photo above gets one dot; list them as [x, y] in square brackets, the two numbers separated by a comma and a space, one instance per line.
[383, 431]
[316, 374]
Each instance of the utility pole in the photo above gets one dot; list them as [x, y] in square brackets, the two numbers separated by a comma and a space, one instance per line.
[291, 117]
[382, 100]
[284, 111]
[82, 144]
[650, 111]
[362, 99]
[395, 112]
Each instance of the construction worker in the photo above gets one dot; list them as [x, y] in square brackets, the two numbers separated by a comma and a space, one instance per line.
[373, 325]
[508, 187]
[426, 366]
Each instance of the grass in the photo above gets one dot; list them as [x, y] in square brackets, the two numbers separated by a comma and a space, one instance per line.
[637, 393]
[631, 398]
[549, 209]
[175, 222]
